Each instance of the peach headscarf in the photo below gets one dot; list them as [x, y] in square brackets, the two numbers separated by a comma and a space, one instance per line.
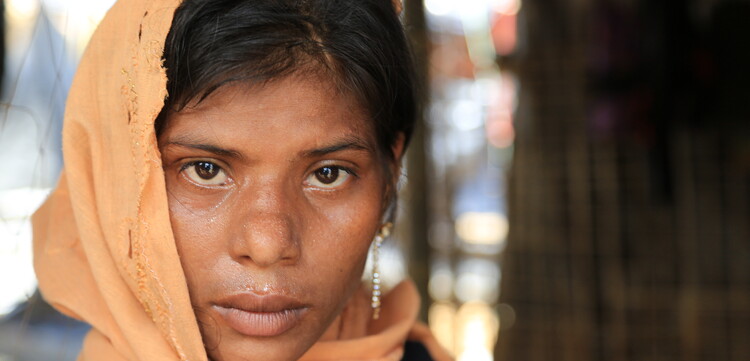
[103, 245]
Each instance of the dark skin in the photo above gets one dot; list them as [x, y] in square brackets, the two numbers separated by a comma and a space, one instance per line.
[274, 190]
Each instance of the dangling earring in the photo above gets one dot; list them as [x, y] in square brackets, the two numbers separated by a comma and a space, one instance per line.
[384, 232]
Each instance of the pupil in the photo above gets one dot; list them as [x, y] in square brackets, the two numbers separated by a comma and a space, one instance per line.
[206, 170]
[327, 175]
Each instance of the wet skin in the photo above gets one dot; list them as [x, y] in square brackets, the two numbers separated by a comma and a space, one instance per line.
[275, 194]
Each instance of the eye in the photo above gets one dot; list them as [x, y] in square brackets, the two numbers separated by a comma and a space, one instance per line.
[328, 177]
[205, 173]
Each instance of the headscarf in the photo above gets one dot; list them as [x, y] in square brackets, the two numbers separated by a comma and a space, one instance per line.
[104, 251]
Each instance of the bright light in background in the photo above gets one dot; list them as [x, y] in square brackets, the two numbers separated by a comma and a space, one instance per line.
[476, 354]
[440, 285]
[16, 269]
[439, 7]
[442, 319]
[477, 326]
[76, 20]
[506, 7]
[473, 13]
[466, 115]
[19, 16]
[39, 56]
[482, 228]
[21, 9]
[471, 286]
[477, 280]
[21, 203]
[502, 105]
[472, 128]
[90, 8]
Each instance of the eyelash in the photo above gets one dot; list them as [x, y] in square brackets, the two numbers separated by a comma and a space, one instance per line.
[338, 169]
[192, 165]
[219, 169]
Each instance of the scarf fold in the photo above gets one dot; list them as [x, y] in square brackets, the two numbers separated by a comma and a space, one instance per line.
[355, 336]
[104, 251]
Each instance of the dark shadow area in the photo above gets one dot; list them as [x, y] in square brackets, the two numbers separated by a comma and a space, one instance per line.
[629, 193]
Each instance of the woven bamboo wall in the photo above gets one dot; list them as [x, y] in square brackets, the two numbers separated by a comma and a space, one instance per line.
[630, 187]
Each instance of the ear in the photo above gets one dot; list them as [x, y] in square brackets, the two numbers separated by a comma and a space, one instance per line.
[398, 6]
[398, 147]
[391, 186]
[398, 153]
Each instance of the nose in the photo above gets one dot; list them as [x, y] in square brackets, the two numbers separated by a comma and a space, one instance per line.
[266, 234]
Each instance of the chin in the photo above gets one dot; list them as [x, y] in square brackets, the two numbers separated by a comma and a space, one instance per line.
[267, 348]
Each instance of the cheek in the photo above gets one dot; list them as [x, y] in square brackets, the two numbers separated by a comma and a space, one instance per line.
[339, 245]
[198, 240]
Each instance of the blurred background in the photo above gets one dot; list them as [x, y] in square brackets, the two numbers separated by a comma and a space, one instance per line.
[579, 188]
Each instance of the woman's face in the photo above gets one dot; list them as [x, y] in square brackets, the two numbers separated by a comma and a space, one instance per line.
[275, 194]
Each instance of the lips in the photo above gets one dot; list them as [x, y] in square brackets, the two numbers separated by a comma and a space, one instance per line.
[260, 315]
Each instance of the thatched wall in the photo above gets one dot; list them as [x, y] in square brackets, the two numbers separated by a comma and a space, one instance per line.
[630, 187]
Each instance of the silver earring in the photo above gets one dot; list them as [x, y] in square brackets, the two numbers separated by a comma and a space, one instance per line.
[384, 232]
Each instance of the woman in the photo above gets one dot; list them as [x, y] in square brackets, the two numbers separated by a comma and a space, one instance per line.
[227, 166]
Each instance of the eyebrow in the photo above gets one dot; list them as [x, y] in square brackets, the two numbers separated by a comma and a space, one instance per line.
[208, 148]
[348, 143]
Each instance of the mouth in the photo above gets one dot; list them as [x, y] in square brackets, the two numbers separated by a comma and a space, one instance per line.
[261, 315]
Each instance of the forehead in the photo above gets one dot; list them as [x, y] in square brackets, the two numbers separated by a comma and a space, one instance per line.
[293, 108]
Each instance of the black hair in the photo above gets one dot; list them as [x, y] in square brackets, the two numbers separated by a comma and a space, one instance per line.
[359, 44]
